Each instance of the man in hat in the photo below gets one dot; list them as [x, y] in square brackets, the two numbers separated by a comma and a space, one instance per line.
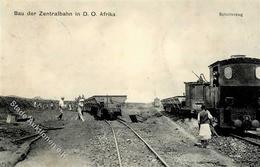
[204, 118]
[80, 109]
[61, 108]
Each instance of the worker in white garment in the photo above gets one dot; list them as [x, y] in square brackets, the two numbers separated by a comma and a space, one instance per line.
[204, 118]
[61, 108]
[80, 109]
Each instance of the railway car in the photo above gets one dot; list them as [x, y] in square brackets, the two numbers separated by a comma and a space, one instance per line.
[174, 104]
[196, 93]
[105, 106]
[232, 95]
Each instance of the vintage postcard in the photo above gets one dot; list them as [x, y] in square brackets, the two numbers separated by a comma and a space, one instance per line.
[129, 83]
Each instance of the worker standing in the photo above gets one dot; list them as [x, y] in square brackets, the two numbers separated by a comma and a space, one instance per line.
[204, 118]
[61, 108]
[35, 104]
[70, 107]
[52, 105]
[80, 109]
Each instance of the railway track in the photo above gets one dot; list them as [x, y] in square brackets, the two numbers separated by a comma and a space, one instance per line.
[147, 145]
[253, 134]
[250, 138]
[116, 144]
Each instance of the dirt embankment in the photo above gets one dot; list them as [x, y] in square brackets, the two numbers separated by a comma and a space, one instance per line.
[13, 147]
[241, 152]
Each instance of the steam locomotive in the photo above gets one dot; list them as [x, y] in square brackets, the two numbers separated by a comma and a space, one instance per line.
[232, 95]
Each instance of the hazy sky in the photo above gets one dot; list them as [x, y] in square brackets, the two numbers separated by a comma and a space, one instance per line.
[148, 49]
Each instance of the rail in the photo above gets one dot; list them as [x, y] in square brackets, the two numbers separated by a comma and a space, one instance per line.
[116, 143]
[150, 148]
[247, 139]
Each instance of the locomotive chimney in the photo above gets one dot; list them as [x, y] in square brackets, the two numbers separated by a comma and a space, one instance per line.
[237, 56]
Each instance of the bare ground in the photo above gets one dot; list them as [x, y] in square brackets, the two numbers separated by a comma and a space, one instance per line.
[91, 143]
[243, 153]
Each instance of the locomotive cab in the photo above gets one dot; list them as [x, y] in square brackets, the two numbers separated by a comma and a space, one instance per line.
[235, 92]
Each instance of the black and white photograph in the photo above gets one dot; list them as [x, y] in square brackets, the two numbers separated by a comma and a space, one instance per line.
[129, 83]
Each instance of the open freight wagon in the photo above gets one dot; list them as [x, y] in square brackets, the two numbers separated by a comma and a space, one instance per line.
[173, 104]
[105, 106]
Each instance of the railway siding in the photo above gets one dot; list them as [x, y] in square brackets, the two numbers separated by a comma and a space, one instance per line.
[176, 146]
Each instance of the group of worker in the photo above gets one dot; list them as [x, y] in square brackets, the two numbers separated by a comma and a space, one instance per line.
[80, 104]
